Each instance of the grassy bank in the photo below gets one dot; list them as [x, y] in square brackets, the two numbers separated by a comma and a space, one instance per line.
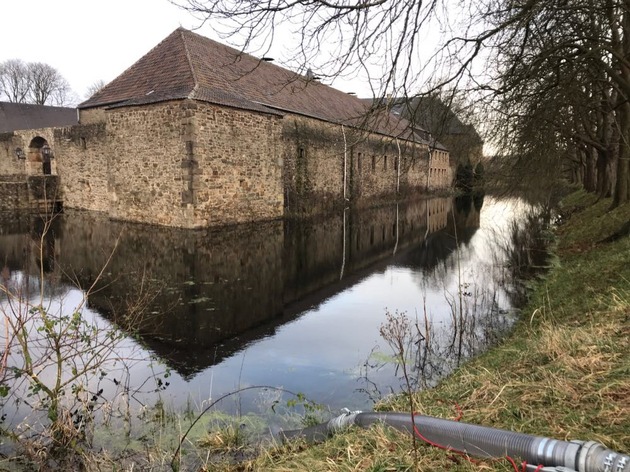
[564, 372]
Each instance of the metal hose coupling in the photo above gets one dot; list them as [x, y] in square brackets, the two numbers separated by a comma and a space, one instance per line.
[343, 421]
[594, 457]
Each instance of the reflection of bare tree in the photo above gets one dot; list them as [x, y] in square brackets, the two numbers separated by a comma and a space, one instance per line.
[522, 252]
[435, 257]
[478, 291]
[431, 349]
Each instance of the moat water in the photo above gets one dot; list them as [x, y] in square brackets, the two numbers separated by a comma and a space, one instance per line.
[295, 305]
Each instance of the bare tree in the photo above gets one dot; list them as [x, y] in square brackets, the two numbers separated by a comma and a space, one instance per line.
[332, 38]
[555, 71]
[47, 84]
[94, 88]
[33, 82]
[563, 84]
[15, 80]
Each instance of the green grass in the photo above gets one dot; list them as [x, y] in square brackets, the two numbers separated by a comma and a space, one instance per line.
[564, 372]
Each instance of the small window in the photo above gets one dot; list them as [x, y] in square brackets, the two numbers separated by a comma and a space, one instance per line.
[301, 153]
[359, 162]
[395, 164]
[83, 142]
[384, 162]
[373, 162]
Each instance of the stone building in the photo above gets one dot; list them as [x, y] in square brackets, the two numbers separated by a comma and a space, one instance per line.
[198, 134]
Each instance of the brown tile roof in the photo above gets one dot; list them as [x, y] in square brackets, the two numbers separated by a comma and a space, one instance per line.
[187, 65]
[16, 116]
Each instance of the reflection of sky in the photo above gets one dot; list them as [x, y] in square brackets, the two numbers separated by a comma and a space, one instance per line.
[322, 352]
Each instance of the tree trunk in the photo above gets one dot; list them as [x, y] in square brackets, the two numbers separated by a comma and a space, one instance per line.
[590, 183]
[622, 187]
[604, 182]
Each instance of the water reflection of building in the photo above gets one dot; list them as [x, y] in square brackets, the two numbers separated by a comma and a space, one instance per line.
[28, 244]
[459, 227]
[198, 296]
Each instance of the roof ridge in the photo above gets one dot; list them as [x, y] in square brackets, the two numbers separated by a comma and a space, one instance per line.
[106, 87]
[193, 71]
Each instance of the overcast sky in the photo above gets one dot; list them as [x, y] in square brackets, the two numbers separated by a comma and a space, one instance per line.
[87, 41]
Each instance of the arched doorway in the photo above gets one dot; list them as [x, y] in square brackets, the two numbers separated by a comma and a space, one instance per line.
[39, 151]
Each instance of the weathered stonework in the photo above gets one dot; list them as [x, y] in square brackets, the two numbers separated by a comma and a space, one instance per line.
[193, 164]
[179, 163]
[13, 194]
[30, 142]
[330, 165]
[238, 171]
[440, 171]
[9, 163]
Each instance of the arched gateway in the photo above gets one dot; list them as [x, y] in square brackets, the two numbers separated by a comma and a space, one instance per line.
[40, 151]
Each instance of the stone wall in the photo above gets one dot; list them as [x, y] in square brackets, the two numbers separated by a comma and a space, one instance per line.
[192, 164]
[327, 165]
[147, 147]
[180, 163]
[30, 142]
[440, 171]
[128, 167]
[82, 157]
[383, 168]
[9, 163]
[238, 169]
[13, 195]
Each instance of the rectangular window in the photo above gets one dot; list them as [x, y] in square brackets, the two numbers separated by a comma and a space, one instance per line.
[359, 162]
[373, 162]
[384, 162]
[301, 153]
[395, 164]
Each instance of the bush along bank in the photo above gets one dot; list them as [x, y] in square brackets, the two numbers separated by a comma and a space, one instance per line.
[563, 373]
